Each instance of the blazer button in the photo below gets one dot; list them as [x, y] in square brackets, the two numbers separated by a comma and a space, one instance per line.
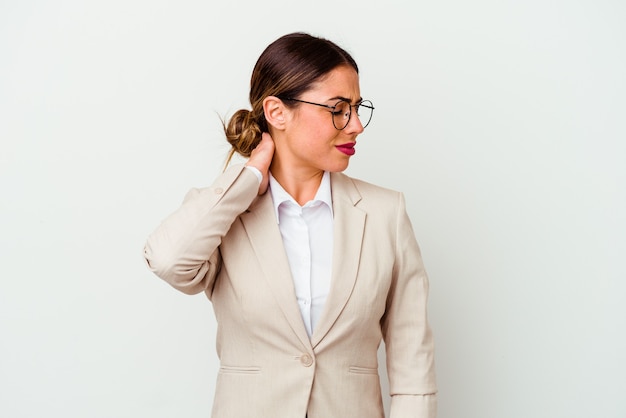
[306, 360]
[218, 190]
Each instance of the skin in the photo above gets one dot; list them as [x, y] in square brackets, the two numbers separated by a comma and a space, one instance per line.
[302, 142]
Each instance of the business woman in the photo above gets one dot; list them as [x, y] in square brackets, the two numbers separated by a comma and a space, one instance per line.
[307, 268]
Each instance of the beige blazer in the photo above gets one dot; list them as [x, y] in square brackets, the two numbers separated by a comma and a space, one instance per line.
[225, 241]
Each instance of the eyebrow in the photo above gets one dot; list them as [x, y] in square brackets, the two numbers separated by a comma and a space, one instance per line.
[345, 99]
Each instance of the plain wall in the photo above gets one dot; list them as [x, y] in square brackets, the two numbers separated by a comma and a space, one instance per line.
[502, 121]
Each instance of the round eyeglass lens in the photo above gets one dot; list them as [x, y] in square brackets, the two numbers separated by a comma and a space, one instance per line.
[341, 114]
[343, 110]
[365, 109]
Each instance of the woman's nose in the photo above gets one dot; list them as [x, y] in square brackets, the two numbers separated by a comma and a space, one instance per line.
[354, 124]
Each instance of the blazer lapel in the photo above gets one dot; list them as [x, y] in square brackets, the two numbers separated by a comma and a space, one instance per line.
[349, 224]
[262, 229]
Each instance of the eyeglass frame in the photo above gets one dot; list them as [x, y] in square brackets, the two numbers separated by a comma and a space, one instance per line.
[333, 108]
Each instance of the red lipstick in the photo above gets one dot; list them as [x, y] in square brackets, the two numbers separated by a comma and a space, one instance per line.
[347, 148]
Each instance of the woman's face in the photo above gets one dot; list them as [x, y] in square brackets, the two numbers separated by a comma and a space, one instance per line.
[311, 140]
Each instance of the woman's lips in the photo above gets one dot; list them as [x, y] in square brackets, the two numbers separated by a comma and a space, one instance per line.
[347, 148]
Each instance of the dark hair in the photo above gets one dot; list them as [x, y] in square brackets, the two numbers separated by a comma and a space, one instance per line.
[288, 67]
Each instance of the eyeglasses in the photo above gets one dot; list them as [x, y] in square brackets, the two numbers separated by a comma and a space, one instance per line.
[342, 111]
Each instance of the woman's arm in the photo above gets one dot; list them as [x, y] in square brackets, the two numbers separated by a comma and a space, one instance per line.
[408, 338]
[183, 250]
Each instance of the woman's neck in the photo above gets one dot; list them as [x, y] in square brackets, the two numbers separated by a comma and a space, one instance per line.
[301, 184]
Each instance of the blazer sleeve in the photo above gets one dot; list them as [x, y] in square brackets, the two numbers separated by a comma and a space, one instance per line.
[408, 337]
[184, 249]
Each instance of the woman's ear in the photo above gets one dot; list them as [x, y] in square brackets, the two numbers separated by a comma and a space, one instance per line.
[275, 112]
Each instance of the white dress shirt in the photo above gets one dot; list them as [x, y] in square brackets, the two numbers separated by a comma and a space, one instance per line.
[307, 233]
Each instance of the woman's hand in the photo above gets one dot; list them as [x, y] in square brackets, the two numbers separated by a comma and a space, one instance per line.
[261, 158]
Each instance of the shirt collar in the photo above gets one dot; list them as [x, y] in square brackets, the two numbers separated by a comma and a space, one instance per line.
[280, 195]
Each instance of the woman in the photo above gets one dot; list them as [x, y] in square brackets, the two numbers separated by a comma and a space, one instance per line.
[305, 279]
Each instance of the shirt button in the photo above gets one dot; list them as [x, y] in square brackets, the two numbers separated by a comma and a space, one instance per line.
[306, 360]
[218, 190]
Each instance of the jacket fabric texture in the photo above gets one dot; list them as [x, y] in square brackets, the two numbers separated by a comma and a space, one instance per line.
[224, 240]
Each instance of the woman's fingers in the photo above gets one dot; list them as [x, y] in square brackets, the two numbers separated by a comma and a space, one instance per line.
[261, 158]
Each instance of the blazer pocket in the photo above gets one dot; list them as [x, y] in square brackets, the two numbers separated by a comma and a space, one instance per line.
[240, 370]
[363, 370]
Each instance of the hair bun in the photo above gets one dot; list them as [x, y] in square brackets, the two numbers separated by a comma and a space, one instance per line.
[243, 133]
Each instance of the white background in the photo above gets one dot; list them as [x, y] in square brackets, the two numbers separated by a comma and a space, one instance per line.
[503, 122]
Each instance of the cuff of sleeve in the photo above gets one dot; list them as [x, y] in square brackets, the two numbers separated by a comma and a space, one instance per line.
[256, 172]
[414, 406]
